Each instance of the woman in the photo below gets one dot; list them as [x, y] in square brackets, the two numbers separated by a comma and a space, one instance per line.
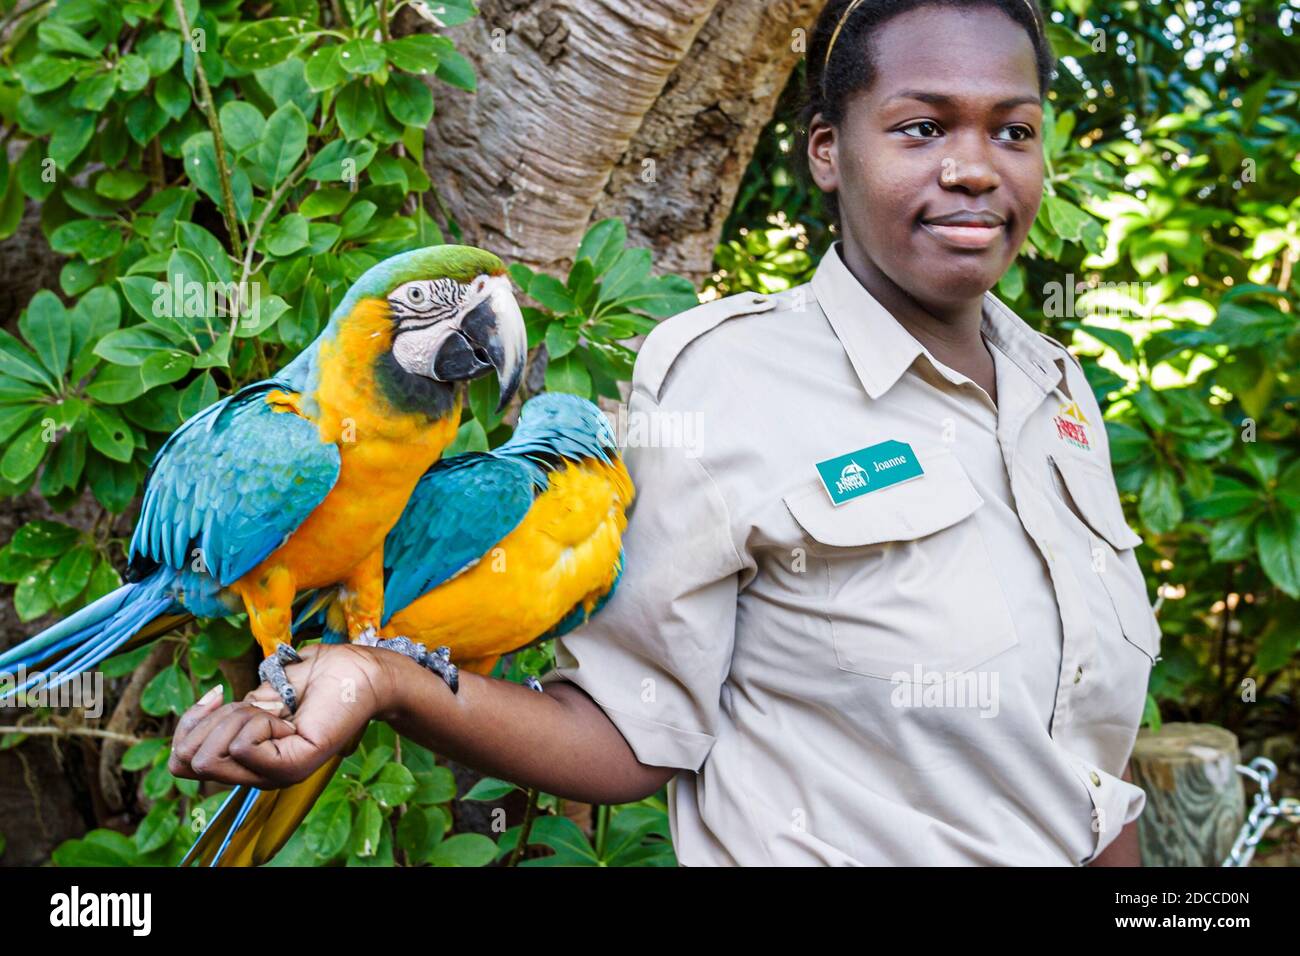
[887, 611]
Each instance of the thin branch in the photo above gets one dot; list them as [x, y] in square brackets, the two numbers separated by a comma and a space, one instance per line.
[272, 202]
[72, 732]
[214, 123]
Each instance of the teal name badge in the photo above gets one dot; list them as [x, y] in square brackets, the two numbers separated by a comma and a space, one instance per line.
[868, 469]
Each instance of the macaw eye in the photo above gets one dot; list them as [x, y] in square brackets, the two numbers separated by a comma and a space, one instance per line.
[415, 294]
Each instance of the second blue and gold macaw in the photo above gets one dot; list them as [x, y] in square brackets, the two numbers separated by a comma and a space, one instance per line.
[494, 551]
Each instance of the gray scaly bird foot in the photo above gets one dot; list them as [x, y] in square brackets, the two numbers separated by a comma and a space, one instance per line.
[439, 661]
[271, 670]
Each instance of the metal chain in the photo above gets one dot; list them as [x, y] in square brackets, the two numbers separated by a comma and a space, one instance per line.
[1264, 812]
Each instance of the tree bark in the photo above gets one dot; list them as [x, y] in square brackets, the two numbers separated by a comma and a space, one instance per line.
[586, 110]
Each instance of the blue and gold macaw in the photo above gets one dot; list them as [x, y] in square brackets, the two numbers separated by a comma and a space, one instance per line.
[292, 484]
[495, 551]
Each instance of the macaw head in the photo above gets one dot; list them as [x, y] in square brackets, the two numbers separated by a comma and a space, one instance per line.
[452, 317]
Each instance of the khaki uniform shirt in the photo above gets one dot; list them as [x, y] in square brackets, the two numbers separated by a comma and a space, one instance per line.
[945, 670]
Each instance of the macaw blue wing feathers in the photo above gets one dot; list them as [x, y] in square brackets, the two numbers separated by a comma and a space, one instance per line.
[234, 482]
[458, 512]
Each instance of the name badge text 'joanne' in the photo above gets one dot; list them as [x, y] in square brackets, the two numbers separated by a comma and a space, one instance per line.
[868, 469]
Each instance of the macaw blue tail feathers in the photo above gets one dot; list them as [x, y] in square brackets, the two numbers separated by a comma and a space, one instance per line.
[253, 825]
[83, 639]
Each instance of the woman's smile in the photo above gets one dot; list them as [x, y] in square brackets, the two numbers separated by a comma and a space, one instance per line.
[965, 237]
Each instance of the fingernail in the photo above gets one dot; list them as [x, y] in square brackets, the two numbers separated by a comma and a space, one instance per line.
[267, 704]
[213, 694]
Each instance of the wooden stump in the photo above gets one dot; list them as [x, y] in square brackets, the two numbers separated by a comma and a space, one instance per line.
[1196, 803]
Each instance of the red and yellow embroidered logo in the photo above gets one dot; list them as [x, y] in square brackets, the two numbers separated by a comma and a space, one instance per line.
[1071, 426]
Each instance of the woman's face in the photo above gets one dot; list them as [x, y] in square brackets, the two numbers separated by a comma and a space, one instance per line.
[952, 124]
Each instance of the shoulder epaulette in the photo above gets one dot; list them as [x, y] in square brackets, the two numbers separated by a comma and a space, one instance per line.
[667, 340]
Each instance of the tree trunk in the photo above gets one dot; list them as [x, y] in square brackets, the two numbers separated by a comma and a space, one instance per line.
[585, 110]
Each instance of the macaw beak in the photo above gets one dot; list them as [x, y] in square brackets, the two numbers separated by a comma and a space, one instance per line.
[491, 335]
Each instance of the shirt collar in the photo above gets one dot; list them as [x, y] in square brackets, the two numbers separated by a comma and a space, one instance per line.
[881, 350]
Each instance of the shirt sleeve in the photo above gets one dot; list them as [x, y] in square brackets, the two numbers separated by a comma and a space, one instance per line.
[654, 658]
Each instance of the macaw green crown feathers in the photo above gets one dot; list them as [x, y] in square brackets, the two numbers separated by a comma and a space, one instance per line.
[461, 263]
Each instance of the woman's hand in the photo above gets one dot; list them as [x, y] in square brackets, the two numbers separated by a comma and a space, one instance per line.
[255, 741]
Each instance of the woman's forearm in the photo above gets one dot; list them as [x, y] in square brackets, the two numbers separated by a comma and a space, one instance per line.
[559, 741]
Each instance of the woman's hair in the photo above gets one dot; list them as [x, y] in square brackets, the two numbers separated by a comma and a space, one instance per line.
[840, 56]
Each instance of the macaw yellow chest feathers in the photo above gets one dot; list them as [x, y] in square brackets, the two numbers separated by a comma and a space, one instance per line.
[564, 554]
[388, 434]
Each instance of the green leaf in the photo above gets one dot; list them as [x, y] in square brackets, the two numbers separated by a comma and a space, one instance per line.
[196, 396]
[361, 56]
[168, 693]
[43, 539]
[71, 574]
[328, 164]
[559, 340]
[130, 346]
[163, 368]
[365, 829]
[109, 434]
[323, 70]
[207, 247]
[58, 36]
[563, 836]
[409, 100]
[1277, 536]
[603, 243]
[160, 50]
[24, 454]
[1118, 340]
[17, 361]
[258, 44]
[158, 827]
[568, 375]
[456, 71]
[46, 326]
[551, 293]
[71, 137]
[94, 92]
[143, 754]
[172, 95]
[98, 848]
[1160, 506]
[31, 597]
[92, 239]
[325, 202]
[418, 53]
[288, 235]
[464, 849]
[120, 184]
[329, 826]
[266, 311]
[43, 73]
[283, 143]
[132, 73]
[356, 110]
[490, 789]
[394, 787]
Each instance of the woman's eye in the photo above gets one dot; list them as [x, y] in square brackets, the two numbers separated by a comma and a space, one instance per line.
[1024, 132]
[918, 125]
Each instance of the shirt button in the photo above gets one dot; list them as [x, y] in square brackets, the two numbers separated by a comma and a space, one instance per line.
[1078, 675]
[1096, 780]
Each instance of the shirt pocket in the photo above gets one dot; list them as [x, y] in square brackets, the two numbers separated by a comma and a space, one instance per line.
[1089, 491]
[911, 585]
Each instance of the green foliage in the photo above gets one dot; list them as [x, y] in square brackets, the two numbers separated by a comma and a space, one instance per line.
[191, 273]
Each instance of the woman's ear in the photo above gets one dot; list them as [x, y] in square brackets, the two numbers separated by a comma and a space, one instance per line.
[823, 156]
